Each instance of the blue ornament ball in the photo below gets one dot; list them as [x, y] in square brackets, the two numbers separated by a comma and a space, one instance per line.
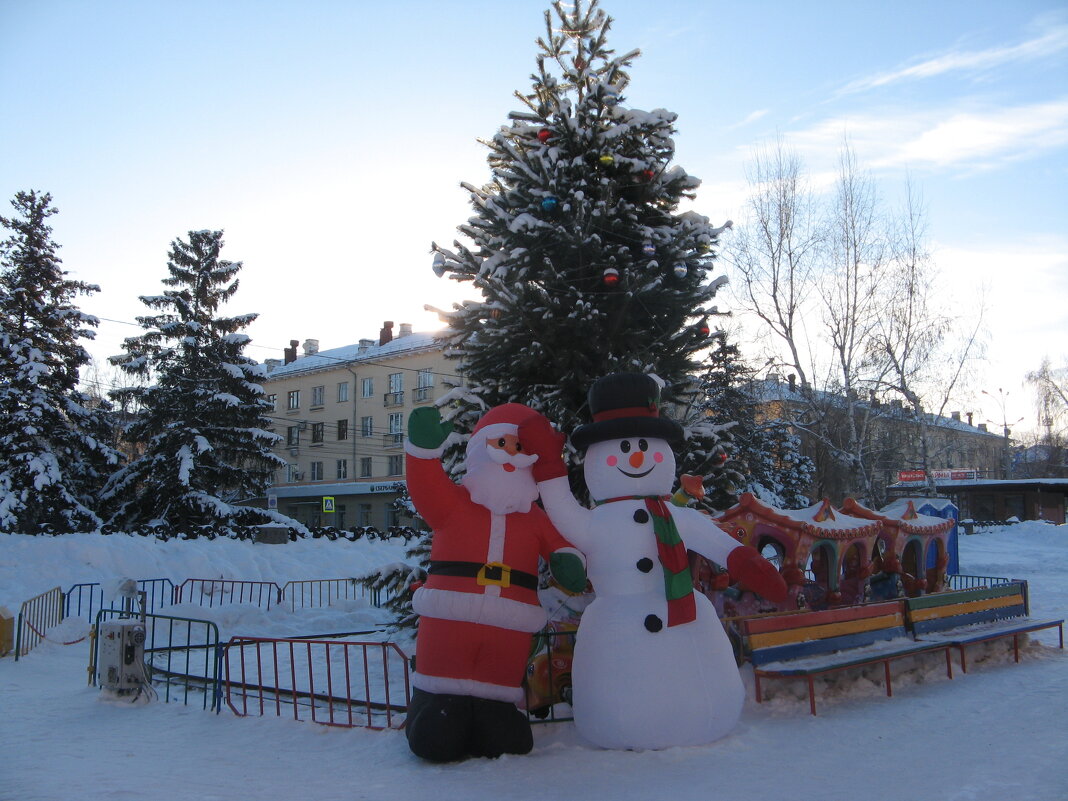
[550, 204]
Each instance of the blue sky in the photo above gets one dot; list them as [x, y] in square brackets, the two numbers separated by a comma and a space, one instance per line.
[328, 139]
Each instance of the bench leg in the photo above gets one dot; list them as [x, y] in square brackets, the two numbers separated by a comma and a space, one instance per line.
[886, 672]
[759, 697]
[963, 660]
[811, 695]
[949, 662]
[1016, 647]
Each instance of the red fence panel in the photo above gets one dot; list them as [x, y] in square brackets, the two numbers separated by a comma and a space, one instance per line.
[333, 682]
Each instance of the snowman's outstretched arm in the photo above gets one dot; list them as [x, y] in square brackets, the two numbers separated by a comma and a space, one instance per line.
[744, 564]
[539, 438]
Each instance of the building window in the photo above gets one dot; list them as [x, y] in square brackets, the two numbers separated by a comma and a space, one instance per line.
[316, 471]
[367, 388]
[395, 396]
[292, 474]
[293, 399]
[367, 426]
[292, 436]
[273, 400]
[342, 391]
[342, 468]
[363, 514]
[396, 429]
[342, 429]
[317, 432]
[317, 396]
[392, 517]
[365, 467]
[396, 466]
[424, 390]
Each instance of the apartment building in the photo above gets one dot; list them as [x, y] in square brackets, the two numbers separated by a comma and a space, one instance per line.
[343, 414]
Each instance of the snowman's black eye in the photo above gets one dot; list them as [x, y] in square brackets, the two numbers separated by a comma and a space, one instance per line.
[625, 446]
[643, 446]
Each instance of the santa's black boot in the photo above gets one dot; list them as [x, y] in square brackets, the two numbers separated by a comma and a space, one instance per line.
[439, 725]
[499, 728]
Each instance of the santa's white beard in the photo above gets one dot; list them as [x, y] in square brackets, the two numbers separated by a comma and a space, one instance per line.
[499, 490]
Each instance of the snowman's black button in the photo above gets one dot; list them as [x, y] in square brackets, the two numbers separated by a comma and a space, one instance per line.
[645, 564]
[641, 516]
[653, 623]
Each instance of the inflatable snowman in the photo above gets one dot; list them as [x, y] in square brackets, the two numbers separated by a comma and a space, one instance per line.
[653, 667]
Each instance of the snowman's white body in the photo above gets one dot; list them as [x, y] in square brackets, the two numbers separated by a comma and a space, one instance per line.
[634, 686]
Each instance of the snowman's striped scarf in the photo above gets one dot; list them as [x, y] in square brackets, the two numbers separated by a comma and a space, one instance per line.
[671, 550]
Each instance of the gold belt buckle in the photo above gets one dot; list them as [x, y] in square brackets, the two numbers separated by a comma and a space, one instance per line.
[494, 573]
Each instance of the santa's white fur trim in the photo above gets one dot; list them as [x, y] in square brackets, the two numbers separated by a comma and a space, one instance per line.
[479, 689]
[423, 453]
[472, 607]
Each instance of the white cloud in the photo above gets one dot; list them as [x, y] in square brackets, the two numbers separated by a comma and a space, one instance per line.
[749, 118]
[969, 138]
[1050, 43]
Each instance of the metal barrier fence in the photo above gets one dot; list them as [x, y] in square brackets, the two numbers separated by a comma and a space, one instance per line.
[348, 684]
[85, 600]
[216, 592]
[182, 656]
[36, 616]
[959, 582]
[316, 593]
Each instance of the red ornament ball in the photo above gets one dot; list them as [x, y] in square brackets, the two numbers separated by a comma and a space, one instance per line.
[610, 276]
[544, 135]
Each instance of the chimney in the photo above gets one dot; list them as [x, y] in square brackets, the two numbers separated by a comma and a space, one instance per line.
[365, 345]
[272, 364]
[311, 347]
[970, 418]
[982, 426]
[793, 381]
[955, 416]
[405, 330]
[386, 334]
[291, 351]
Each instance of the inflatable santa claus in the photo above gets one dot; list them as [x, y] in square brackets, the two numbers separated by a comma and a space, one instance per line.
[479, 605]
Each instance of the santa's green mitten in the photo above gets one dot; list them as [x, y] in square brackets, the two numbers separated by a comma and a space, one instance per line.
[426, 429]
[569, 570]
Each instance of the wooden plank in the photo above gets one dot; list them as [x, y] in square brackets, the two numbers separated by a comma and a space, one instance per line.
[943, 623]
[805, 619]
[966, 608]
[962, 596]
[806, 633]
[814, 647]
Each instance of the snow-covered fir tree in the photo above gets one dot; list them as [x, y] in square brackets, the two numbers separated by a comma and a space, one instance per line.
[758, 452]
[54, 451]
[202, 418]
[585, 263]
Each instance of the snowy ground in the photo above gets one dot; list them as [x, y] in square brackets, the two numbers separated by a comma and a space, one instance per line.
[1000, 731]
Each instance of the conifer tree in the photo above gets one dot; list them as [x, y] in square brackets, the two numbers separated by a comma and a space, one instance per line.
[54, 451]
[202, 418]
[757, 453]
[585, 263]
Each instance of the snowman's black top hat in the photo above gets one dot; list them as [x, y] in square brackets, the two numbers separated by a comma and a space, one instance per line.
[625, 405]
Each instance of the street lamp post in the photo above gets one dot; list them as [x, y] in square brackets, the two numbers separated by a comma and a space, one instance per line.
[1002, 398]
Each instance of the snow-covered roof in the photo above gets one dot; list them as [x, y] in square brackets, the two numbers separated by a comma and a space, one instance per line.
[820, 519]
[326, 359]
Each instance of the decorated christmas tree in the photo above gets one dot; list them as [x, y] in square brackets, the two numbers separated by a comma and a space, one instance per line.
[584, 261]
[203, 420]
[54, 444]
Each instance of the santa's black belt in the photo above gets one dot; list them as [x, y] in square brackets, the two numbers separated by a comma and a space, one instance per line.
[494, 573]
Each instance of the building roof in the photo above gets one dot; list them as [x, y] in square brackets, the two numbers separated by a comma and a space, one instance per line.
[1060, 484]
[356, 353]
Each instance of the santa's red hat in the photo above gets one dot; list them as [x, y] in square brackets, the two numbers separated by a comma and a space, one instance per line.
[501, 420]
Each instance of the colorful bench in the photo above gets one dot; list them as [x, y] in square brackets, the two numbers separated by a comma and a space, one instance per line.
[964, 617]
[810, 644]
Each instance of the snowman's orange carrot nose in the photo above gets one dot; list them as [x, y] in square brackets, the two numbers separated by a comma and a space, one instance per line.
[636, 459]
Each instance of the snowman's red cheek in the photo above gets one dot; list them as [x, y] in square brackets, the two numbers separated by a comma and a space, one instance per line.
[611, 461]
[658, 457]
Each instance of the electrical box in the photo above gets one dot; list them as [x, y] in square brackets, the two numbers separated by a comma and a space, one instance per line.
[121, 654]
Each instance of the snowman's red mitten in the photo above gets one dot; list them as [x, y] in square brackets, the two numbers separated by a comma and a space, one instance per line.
[538, 437]
[746, 565]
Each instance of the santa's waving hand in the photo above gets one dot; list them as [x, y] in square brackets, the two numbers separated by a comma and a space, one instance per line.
[479, 604]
